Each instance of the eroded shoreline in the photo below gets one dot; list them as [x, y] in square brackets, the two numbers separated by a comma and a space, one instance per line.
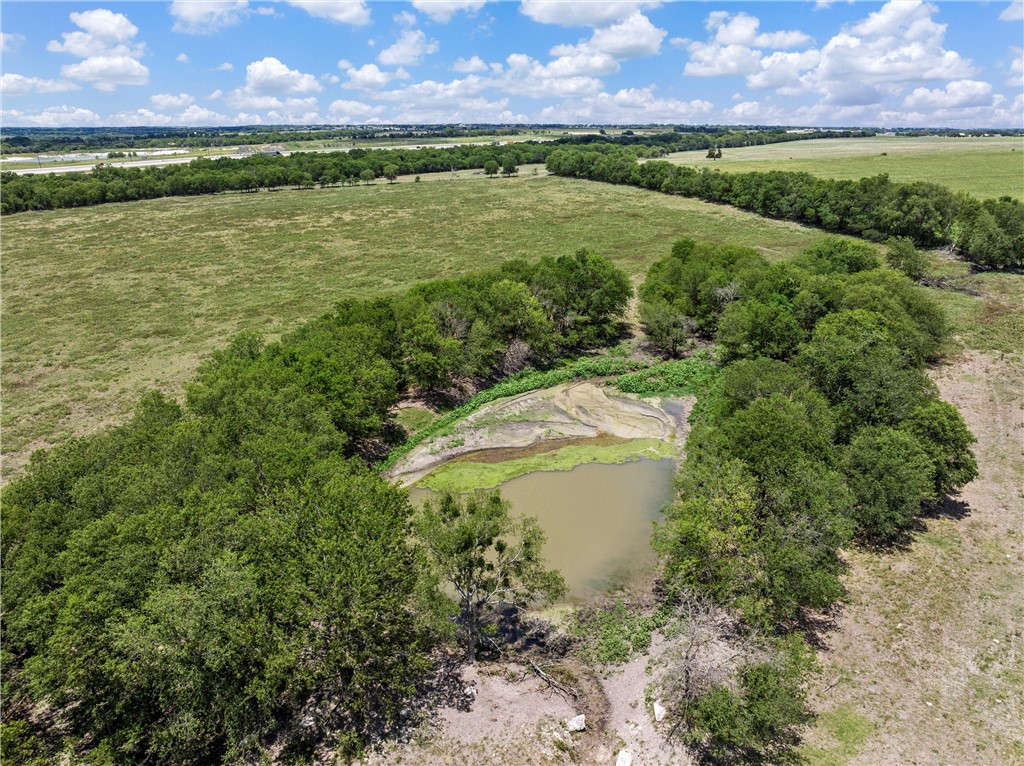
[553, 429]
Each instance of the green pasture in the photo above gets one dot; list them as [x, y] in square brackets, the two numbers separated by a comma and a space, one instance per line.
[984, 167]
[102, 303]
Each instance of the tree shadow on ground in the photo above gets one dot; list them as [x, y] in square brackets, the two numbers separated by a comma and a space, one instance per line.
[952, 508]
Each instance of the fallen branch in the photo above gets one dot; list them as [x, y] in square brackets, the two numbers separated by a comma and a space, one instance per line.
[831, 685]
[945, 283]
[566, 691]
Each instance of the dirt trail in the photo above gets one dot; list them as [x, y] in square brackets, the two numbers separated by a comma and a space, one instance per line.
[926, 663]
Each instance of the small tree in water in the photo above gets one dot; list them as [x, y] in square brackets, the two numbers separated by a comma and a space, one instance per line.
[490, 558]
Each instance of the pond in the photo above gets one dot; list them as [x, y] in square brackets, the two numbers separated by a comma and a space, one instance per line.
[598, 519]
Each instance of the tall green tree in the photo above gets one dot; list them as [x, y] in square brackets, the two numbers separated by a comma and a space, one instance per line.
[487, 556]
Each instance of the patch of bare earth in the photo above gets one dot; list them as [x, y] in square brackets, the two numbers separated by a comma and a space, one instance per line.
[630, 714]
[513, 717]
[926, 661]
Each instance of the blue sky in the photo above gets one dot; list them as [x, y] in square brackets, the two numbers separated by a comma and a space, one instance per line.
[206, 62]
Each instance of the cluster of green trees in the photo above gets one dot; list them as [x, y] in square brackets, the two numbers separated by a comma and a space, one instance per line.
[681, 140]
[823, 429]
[823, 426]
[989, 233]
[184, 587]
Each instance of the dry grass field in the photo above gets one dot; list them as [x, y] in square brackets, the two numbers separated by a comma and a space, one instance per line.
[984, 167]
[102, 303]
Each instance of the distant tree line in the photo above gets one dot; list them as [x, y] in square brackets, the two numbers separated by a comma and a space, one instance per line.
[247, 174]
[213, 576]
[64, 140]
[684, 141]
[989, 233]
[305, 170]
[822, 430]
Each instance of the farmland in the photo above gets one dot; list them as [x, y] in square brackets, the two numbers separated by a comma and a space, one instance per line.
[922, 663]
[103, 303]
[984, 167]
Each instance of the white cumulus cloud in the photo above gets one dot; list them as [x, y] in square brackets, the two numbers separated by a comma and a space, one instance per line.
[102, 32]
[51, 117]
[10, 41]
[893, 48]
[443, 10]
[958, 94]
[206, 17]
[1013, 12]
[18, 85]
[345, 111]
[1016, 79]
[628, 105]
[742, 29]
[370, 77]
[631, 38]
[782, 70]
[525, 76]
[469, 66]
[182, 58]
[105, 73]
[354, 12]
[574, 13]
[736, 46]
[269, 76]
[410, 48]
[166, 101]
[199, 115]
[106, 44]
[710, 60]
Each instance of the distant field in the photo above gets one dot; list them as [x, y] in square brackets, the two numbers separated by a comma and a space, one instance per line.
[984, 167]
[105, 302]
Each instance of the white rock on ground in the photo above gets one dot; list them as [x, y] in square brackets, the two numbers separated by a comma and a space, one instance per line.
[625, 758]
[579, 723]
[659, 711]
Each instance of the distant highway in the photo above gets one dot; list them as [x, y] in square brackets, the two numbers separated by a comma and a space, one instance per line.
[155, 161]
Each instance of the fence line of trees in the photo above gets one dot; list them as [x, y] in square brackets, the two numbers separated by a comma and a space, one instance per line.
[19, 193]
[989, 233]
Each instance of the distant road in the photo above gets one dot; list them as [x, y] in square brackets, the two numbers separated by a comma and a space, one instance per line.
[154, 161]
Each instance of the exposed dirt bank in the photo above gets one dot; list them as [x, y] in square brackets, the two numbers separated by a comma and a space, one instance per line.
[548, 419]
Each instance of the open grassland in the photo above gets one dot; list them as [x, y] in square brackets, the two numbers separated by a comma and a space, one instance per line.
[984, 167]
[103, 303]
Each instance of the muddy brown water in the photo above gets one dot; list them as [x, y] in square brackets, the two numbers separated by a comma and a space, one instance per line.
[598, 519]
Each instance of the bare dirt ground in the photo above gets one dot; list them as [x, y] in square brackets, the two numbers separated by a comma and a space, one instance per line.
[516, 719]
[925, 664]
